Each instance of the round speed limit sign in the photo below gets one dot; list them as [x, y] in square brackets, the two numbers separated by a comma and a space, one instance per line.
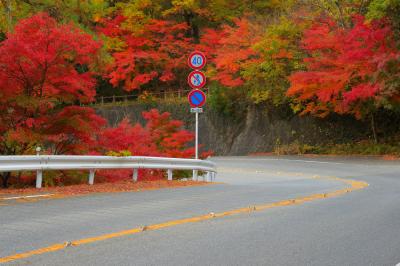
[197, 60]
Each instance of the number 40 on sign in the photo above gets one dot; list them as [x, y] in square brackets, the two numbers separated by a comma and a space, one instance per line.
[197, 60]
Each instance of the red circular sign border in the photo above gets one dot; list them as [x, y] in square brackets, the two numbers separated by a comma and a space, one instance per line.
[201, 85]
[200, 104]
[197, 53]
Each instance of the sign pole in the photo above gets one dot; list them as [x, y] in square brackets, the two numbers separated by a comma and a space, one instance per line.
[196, 172]
[197, 98]
[197, 135]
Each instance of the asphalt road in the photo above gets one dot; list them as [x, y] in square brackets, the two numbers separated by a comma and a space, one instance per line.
[357, 228]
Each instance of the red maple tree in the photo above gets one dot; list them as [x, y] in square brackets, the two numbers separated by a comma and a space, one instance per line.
[157, 52]
[43, 71]
[344, 69]
[234, 51]
[161, 137]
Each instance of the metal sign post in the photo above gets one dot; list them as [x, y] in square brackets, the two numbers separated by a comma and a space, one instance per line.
[197, 137]
[196, 97]
[197, 111]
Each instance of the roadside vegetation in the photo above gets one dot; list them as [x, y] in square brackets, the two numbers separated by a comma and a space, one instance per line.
[392, 150]
[302, 57]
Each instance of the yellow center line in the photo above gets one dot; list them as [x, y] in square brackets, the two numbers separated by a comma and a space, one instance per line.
[354, 185]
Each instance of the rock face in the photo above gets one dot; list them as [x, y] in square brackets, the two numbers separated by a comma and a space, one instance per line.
[257, 131]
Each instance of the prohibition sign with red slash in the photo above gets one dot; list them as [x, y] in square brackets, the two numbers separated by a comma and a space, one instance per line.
[197, 80]
[197, 98]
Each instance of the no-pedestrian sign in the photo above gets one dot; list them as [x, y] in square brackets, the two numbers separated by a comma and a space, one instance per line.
[197, 98]
[197, 60]
[197, 79]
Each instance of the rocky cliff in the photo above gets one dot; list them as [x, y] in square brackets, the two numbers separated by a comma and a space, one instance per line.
[257, 131]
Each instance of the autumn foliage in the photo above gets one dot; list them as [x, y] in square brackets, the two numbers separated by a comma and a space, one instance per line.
[287, 56]
[155, 52]
[160, 137]
[345, 68]
[41, 75]
[45, 69]
[235, 52]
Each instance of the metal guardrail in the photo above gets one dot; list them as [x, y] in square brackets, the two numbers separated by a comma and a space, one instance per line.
[42, 163]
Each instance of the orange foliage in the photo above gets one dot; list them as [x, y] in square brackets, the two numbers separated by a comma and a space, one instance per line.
[342, 71]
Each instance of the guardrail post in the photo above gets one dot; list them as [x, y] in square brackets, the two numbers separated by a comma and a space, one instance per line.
[208, 177]
[39, 178]
[135, 174]
[195, 175]
[39, 173]
[169, 174]
[91, 177]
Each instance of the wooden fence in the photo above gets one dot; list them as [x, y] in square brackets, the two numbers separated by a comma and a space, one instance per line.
[177, 94]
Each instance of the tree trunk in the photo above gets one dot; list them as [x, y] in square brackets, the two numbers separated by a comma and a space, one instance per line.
[373, 127]
[79, 11]
[5, 177]
[342, 19]
[194, 28]
[7, 6]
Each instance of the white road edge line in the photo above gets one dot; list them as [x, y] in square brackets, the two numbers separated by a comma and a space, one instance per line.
[291, 160]
[308, 161]
[27, 197]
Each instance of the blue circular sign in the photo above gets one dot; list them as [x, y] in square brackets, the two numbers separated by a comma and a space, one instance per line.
[197, 98]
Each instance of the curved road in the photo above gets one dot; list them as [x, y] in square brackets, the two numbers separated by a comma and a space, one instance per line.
[357, 228]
